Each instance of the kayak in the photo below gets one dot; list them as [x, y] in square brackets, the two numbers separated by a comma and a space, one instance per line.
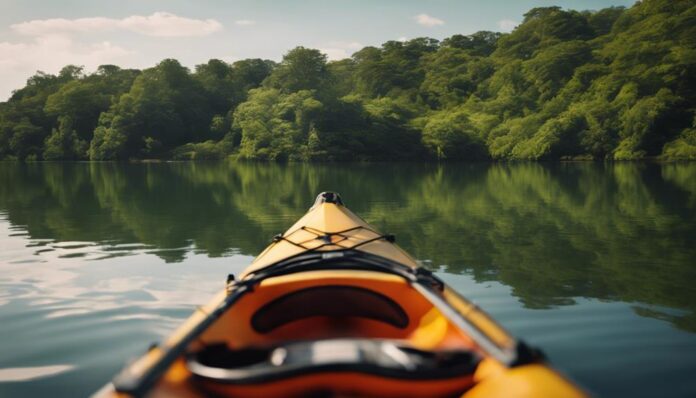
[333, 308]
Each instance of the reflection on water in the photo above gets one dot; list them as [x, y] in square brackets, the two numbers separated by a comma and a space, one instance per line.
[25, 374]
[124, 251]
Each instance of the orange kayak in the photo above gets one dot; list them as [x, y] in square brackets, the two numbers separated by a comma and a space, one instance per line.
[333, 308]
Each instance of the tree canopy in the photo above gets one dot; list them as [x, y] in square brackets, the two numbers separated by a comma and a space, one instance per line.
[615, 83]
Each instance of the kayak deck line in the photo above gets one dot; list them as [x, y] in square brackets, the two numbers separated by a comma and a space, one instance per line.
[327, 238]
[334, 306]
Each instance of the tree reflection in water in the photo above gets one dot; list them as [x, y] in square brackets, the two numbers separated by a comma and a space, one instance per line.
[552, 232]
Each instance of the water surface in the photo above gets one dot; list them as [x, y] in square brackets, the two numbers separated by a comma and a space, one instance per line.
[594, 263]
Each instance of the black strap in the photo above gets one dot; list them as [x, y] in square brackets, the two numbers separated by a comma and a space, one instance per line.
[327, 238]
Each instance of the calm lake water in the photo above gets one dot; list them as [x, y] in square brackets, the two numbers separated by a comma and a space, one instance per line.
[594, 263]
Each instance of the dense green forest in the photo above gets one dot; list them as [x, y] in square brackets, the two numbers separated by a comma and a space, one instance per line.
[610, 84]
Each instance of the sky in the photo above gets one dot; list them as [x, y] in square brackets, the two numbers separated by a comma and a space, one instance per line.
[47, 35]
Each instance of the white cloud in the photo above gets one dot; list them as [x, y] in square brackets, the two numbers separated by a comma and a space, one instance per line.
[244, 22]
[159, 24]
[50, 53]
[402, 39]
[338, 50]
[427, 20]
[54, 43]
[164, 24]
[335, 54]
[507, 25]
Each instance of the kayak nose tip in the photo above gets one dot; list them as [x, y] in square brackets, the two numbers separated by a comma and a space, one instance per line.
[328, 197]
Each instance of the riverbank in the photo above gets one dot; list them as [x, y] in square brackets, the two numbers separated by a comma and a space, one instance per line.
[615, 83]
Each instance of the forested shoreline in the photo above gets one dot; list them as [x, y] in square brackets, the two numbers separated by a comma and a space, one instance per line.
[610, 84]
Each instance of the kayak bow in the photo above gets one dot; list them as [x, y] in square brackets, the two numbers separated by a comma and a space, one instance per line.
[334, 308]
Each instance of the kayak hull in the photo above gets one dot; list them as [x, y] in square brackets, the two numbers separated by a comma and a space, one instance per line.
[334, 308]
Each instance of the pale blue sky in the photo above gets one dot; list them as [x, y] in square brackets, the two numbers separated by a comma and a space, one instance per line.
[46, 35]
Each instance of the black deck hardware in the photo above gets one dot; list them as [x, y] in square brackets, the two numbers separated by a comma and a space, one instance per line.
[384, 358]
[328, 197]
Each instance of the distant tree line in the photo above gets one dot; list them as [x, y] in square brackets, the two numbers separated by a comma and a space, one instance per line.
[611, 84]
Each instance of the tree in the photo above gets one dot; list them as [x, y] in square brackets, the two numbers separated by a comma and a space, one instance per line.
[250, 73]
[108, 144]
[164, 103]
[603, 20]
[276, 126]
[26, 139]
[450, 135]
[80, 101]
[301, 69]
[481, 43]
[215, 79]
[64, 143]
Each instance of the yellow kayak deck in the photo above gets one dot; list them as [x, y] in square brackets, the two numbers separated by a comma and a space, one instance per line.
[333, 308]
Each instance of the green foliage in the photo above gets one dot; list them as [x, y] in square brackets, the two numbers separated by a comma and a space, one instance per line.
[220, 89]
[450, 135]
[683, 148]
[208, 150]
[342, 75]
[226, 86]
[276, 126]
[542, 27]
[610, 84]
[556, 137]
[480, 43]
[640, 122]
[602, 21]
[164, 103]
[64, 143]
[552, 67]
[392, 69]
[107, 144]
[452, 75]
[26, 139]
[301, 69]
[84, 98]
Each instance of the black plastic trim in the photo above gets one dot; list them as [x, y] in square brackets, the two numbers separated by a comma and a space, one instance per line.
[422, 365]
